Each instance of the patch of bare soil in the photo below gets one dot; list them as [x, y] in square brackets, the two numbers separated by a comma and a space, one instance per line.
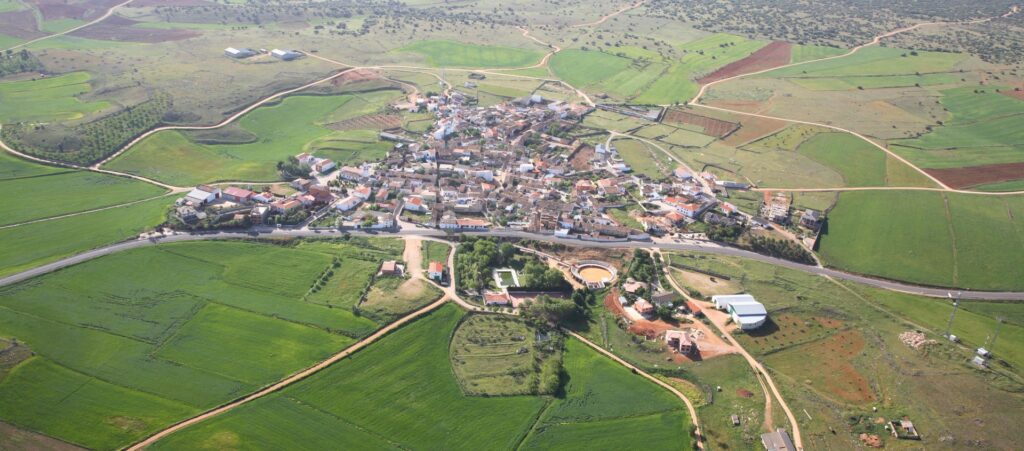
[15, 439]
[978, 175]
[20, 24]
[772, 55]
[117, 28]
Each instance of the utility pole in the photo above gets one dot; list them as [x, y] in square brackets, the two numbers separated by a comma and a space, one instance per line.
[992, 342]
[956, 303]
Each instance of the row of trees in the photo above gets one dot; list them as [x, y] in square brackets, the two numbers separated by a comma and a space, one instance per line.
[784, 249]
[91, 142]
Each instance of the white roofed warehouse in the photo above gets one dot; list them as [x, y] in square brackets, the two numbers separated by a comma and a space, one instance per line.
[743, 308]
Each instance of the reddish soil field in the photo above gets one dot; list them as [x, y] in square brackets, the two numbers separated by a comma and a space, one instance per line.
[829, 362]
[772, 55]
[745, 393]
[142, 3]
[63, 9]
[580, 160]
[1019, 95]
[355, 76]
[116, 28]
[712, 127]
[369, 122]
[978, 175]
[20, 24]
[752, 128]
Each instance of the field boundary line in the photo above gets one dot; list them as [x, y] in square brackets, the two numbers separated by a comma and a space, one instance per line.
[84, 212]
[94, 22]
[689, 405]
[296, 377]
[696, 101]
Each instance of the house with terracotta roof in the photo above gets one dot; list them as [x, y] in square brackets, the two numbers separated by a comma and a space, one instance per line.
[680, 341]
[643, 307]
[390, 268]
[236, 194]
[435, 271]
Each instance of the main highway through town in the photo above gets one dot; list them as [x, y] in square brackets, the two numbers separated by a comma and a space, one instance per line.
[663, 245]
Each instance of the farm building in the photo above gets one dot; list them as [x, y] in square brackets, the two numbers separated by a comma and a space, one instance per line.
[777, 440]
[496, 298]
[744, 309]
[239, 53]
[203, 194]
[390, 268]
[285, 55]
[435, 271]
[236, 194]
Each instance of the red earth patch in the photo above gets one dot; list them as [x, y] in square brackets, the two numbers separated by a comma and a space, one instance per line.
[978, 175]
[712, 127]
[772, 55]
[117, 28]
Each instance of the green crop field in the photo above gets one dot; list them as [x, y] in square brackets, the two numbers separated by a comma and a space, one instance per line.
[296, 124]
[703, 56]
[179, 327]
[801, 53]
[860, 163]
[582, 68]
[47, 99]
[644, 159]
[906, 235]
[11, 5]
[983, 129]
[874, 82]
[435, 251]
[31, 245]
[68, 192]
[874, 61]
[401, 391]
[458, 54]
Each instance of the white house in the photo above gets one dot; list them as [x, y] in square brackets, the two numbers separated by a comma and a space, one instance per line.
[324, 166]
[348, 203]
[744, 309]
[416, 204]
[435, 271]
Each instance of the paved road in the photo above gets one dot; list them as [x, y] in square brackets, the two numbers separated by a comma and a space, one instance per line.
[689, 246]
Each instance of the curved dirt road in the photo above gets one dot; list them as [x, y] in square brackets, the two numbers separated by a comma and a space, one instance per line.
[94, 22]
[605, 18]
[762, 376]
[875, 41]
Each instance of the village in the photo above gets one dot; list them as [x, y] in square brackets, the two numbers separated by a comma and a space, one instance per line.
[510, 166]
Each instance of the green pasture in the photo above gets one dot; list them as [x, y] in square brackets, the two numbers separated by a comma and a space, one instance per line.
[47, 99]
[874, 60]
[181, 327]
[801, 53]
[60, 25]
[39, 392]
[294, 125]
[732, 373]
[702, 57]
[582, 68]
[12, 167]
[402, 393]
[459, 54]
[31, 245]
[11, 5]
[983, 128]
[874, 82]
[68, 192]
[1011, 312]
[435, 251]
[860, 163]
[644, 159]
[907, 235]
